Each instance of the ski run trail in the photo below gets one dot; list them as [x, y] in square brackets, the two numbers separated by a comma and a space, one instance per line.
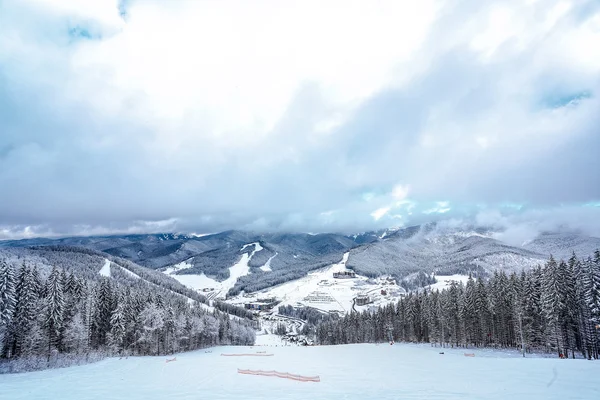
[217, 289]
[361, 372]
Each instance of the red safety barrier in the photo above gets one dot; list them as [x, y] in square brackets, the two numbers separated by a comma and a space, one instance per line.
[171, 360]
[469, 354]
[284, 375]
[246, 355]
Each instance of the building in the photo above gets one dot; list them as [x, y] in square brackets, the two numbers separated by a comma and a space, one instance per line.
[362, 300]
[261, 304]
[344, 275]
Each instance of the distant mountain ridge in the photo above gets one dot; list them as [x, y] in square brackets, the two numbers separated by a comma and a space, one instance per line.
[398, 252]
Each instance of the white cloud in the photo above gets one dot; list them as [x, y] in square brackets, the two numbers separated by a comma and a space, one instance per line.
[400, 192]
[263, 115]
[380, 212]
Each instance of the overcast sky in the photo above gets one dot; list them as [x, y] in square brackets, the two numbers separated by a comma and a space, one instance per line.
[199, 116]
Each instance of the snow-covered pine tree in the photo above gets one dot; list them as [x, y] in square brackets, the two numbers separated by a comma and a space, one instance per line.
[38, 285]
[552, 304]
[102, 312]
[453, 307]
[591, 285]
[535, 321]
[118, 326]
[55, 308]
[435, 335]
[570, 310]
[24, 317]
[8, 300]
[519, 305]
[482, 309]
[471, 325]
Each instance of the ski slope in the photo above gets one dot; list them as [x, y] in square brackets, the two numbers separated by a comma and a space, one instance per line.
[267, 266]
[203, 283]
[318, 289]
[351, 372]
[105, 270]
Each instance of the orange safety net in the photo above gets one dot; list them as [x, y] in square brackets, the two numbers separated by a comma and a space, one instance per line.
[277, 374]
[469, 354]
[243, 355]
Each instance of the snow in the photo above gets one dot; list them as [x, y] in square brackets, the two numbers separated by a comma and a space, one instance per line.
[444, 281]
[507, 262]
[268, 339]
[197, 281]
[257, 247]
[352, 372]
[105, 270]
[177, 267]
[320, 290]
[204, 283]
[131, 274]
[241, 268]
[267, 266]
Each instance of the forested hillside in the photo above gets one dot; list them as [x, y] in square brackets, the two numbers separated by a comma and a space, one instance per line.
[554, 308]
[70, 313]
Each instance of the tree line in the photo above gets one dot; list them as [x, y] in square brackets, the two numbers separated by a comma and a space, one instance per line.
[43, 319]
[551, 308]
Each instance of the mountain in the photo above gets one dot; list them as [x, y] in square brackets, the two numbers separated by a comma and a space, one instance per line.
[424, 248]
[562, 245]
[274, 258]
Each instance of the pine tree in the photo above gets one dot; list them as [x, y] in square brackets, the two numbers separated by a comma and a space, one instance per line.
[25, 311]
[118, 327]
[102, 314]
[552, 303]
[8, 300]
[591, 289]
[570, 310]
[55, 308]
[482, 308]
[469, 314]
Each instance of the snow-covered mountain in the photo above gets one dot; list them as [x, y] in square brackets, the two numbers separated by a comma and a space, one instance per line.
[264, 260]
[562, 245]
[424, 248]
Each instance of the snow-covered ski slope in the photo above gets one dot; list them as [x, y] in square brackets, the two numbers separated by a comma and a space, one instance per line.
[105, 270]
[219, 289]
[360, 372]
[320, 290]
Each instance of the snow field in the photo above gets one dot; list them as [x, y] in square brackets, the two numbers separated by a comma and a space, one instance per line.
[267, 266]
[364, 371]
[201, 281]
[318, 289]
[105, 270]
[444, 281]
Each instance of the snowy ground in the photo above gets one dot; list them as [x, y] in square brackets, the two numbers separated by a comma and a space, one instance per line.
[444, 281]
[320, 290]
[347, 372]
[105, 270]
[267, 266]
[218, 289]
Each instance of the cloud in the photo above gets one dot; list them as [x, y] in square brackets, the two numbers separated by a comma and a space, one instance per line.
[262, 116]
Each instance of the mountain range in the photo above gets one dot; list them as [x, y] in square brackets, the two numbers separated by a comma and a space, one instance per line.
[285, 256]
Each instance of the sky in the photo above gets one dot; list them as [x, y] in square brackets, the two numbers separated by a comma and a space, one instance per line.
[199, 116]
